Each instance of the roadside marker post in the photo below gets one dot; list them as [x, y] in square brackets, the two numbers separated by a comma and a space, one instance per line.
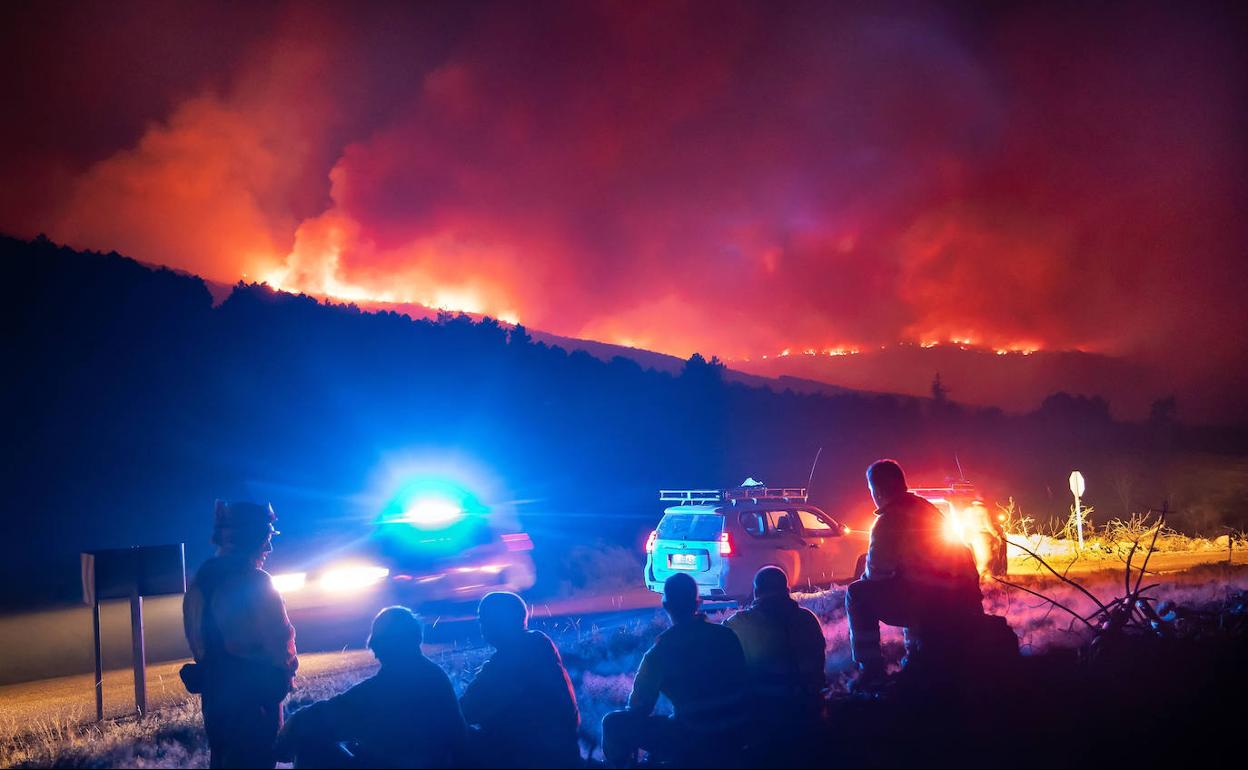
[1077, 488]
[130, 573]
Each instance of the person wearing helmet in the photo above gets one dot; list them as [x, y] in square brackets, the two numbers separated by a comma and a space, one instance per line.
[915, 578]
[784, 651]
[700, 668]
[521, 705]
[405, 715]
[241, 639]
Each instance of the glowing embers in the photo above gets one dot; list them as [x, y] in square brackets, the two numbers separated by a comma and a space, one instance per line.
[350, 578]
[289, 582]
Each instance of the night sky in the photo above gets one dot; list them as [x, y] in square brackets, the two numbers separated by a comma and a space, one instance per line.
[733, 178]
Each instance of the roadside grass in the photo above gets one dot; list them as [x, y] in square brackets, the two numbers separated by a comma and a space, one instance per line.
[1109, 542]
[600, 662]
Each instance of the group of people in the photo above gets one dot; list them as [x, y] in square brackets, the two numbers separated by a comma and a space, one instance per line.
[755, 681]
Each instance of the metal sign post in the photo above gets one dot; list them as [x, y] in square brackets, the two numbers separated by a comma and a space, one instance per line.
[130, 573]
[138, 652]
[99, 667]
[1077, 488]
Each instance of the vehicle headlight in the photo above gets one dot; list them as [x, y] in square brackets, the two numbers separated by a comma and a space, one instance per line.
[289, 582]
[352, 578]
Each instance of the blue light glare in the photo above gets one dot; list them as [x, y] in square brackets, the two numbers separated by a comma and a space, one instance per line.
[430, 504]
[432, 513]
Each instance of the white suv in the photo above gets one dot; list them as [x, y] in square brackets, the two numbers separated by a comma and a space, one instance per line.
[721, 538]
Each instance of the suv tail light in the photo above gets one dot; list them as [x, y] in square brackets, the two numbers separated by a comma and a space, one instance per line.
[654, 535]
[725, 545]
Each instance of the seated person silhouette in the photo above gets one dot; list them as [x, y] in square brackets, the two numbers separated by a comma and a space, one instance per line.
[521, 706]
[405, 715]
[699, 667]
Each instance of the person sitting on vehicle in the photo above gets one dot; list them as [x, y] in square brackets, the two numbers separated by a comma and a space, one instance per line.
[700, 668]
[915, 578]
[241, 639]
[521, 702]
[405, 715]
[784, 651]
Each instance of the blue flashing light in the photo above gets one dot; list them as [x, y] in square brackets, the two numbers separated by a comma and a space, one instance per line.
[432, 513]
[430, 504]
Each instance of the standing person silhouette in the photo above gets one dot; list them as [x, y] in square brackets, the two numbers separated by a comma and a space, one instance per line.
[242, 641]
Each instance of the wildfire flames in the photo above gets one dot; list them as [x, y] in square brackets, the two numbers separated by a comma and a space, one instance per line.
[788, 185]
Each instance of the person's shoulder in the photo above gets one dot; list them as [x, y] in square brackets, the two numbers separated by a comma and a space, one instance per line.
[538, 639]
[363, 690]
[919, 504]
[807, 616]
[222, 572]
[538, 643]
[665, 637]
[717, 631]
[432, 671]
[742, 617]
[252, 579]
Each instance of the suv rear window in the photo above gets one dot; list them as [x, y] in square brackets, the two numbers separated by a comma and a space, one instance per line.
[691, 526]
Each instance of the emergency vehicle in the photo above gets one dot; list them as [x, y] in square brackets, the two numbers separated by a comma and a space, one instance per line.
[968, 520]
[460, 562]
[721, 537]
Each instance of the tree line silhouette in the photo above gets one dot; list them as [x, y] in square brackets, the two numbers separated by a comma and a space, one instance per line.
[132, 403]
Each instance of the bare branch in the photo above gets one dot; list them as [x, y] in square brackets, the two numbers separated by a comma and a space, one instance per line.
[1060, 576]
[1039, 595]
[1130, 557]
[1161, 522]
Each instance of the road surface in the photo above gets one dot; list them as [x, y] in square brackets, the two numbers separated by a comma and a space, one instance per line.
[58, 642]
[72, 698]
[1158, 563]
[61, 699]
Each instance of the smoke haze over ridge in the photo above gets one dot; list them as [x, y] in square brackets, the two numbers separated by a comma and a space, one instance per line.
[732, 178]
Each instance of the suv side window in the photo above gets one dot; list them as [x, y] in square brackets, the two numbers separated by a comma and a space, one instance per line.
[783, 522]
[816, 525]
[754, 523]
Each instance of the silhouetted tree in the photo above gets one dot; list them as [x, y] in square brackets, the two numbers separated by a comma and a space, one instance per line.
[1163, 411]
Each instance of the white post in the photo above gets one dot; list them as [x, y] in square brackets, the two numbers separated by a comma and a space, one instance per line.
[1079, 520]
[1077, 488]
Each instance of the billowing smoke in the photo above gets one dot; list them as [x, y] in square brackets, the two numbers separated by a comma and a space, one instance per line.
[735, 178]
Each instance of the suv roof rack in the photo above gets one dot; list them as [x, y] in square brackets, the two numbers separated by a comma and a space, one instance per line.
[733, 495]
[956, 487]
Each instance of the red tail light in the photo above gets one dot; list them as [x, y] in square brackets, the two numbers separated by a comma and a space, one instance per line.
[654, 535]
[725, 545]
[518, 541]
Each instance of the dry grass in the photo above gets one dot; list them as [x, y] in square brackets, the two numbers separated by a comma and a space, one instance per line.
[1110, 542]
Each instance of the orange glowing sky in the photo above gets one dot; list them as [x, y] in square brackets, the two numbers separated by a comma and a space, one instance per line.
[732, 178]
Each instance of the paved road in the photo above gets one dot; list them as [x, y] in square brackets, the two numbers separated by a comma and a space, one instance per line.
[72, 698]
[1159, 563]
[57, 642]
[61, 699]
